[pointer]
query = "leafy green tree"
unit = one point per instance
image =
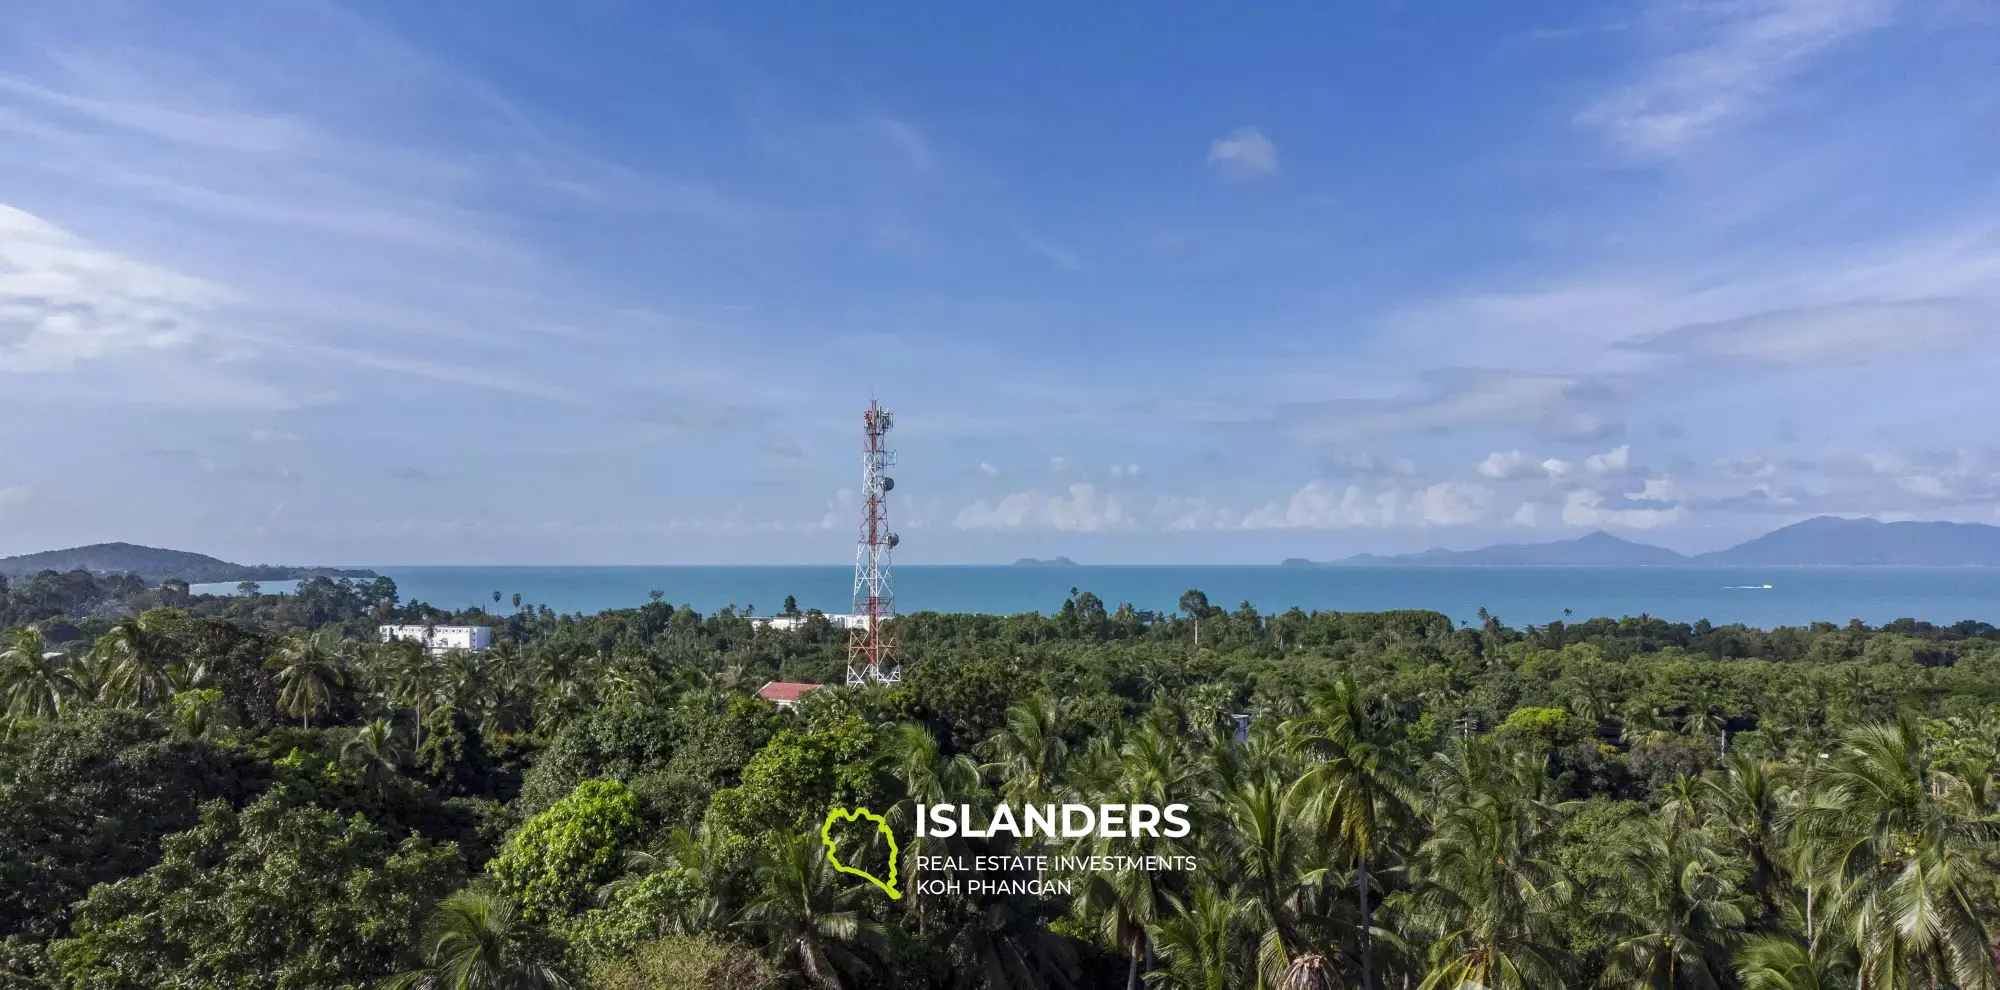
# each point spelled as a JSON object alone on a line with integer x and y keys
{"x": 673, "y": 962}
{"x": 89, "y": 802}
{"x": 249, "y": 900}
{"x": 558, "y": 858}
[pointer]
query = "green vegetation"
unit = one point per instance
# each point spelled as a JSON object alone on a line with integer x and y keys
{"x": 251, "y": 793}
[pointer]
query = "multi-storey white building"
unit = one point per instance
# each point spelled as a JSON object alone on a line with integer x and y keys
{"x": 442, "y": 639}
{"x": 836, "y": 620}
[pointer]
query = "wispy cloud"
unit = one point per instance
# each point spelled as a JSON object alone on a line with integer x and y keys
{"x": 63, "y": 302}
{"x": 1721, "y": 61}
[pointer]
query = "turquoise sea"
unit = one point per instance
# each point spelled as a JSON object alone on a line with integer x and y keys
{"x": 1518, "y": 595}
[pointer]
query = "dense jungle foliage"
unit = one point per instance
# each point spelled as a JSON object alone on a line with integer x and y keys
{"x": 251, "y": 792}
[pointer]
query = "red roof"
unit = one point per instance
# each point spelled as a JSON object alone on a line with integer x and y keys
{"x": 782, "y": 692}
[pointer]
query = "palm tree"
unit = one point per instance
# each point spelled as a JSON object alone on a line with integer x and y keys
{"x": 1029, "y": 751}
{"x": 310, "y": 666}
{"x": 37, "y": 681}
{"x": 804, "y": 916}
{"x": 1893, "y": 860}
{"x": 1482, "y": 887}
{"x": 1201, "y": 942}
{"x": 1278, "y": 872}
{"x": 141, "y": 657}
{"x": 1750, "y": 805}
{"x": 1681, "y": 912}
{"x": 472, "y": 944}
{"x": 409, "y": 676}
{"x": 1353, "y": 797}
{"x": 1776, "y": 962}
{"x": 375, "y": 749}
{"x": 1152, "y": 767}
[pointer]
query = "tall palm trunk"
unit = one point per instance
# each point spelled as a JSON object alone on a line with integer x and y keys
{"x": 1367, "y": 928}
{"x": 1132, "y": 973}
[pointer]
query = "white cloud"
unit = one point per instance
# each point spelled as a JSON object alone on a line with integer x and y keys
{"x": 1844, "y": 333}
{"x": 1124, "y": 470}
{"x": 1058, "y": 464}
{"x": 1585, "y": 507}
{"x": 988, "y": 470}
{"x": 1657, "y": 490}
{"x": 1556, "y": 468}
{"x": 1083, "y": 510}
{"x": 1525, "y": 515}
{"x": 1728, "y": 58}
{"x": 63, "y": 302}
{"x": 1613, "y": 461}
{"x": 1246, "y": 154}
{"x": 1505, "y": 464}
{"x": 1324, "y": 505}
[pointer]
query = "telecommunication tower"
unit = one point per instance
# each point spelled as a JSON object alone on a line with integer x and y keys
{"x": 871, "y": 653}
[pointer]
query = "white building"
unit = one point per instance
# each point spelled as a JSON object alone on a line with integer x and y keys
{"x": 836, "y": 620}
{"x": 441, "y": 639}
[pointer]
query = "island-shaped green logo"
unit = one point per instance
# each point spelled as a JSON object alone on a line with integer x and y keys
{"x": 833, "y": 855}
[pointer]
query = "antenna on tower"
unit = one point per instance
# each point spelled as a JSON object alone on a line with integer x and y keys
{"x": 871, "y": 654}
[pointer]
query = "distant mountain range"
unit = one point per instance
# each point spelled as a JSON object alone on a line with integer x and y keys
{"x": 1820, "y": 541}
{"x": 155, "y": 564}
{"x": 1055, "y": 562}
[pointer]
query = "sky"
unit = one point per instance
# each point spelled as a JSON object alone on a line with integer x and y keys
{"x": 611, "y": 282}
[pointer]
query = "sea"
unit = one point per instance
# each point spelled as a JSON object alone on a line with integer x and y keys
{"x": 1519, "y": 596}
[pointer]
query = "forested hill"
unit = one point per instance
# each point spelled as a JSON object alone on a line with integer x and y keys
{"x": 155, "y": 564}
{"x": 250, "y": 791}
{"x": 1820, "y": 541}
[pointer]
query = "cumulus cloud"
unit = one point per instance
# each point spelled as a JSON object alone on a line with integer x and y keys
{"x": 1326, "y": 505}
{"x": 1585, "y": 507}
{"x": 1058, "y": 464}
{"x": 1525, "y": 515}
{"x": 1617, "y": 460}
{"x": 63, "y": 302}
{"x": 988, "y": 470}
{"x": 1656, "y": 490}
{"x": 1082, "y": 510}
{"x": 1503, "y": 464}
{"x": 1246, "y": 154}
{"x": 1124, "y": 470}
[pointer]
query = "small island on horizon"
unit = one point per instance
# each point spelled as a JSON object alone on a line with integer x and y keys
{"x": 1051, "y": 562}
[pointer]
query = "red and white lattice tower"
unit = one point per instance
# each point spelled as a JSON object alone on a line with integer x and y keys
{"x": 871, "y": 653}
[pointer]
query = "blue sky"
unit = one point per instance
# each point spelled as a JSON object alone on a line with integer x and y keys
{"x": 610, "y": 282}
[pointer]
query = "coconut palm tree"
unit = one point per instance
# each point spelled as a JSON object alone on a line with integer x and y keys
{"x": 376, "y": 749}
{"x": 1028, "y": 753}
{"x": 805, "y": 916}
{"x": 1681, "y": 912}
{"x": 38, "y": 682}
{"x": 141, "y": 657}
{"x": 309, "y": 666}
{"x": 1353, "y": 796}
{"x": 1482, "y": 886}
{"x": 1893, "y": 859}
{"x": 473, "y": 944}
{"x": 1777, "y": 962}
{"x": 1201, "y": 942}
